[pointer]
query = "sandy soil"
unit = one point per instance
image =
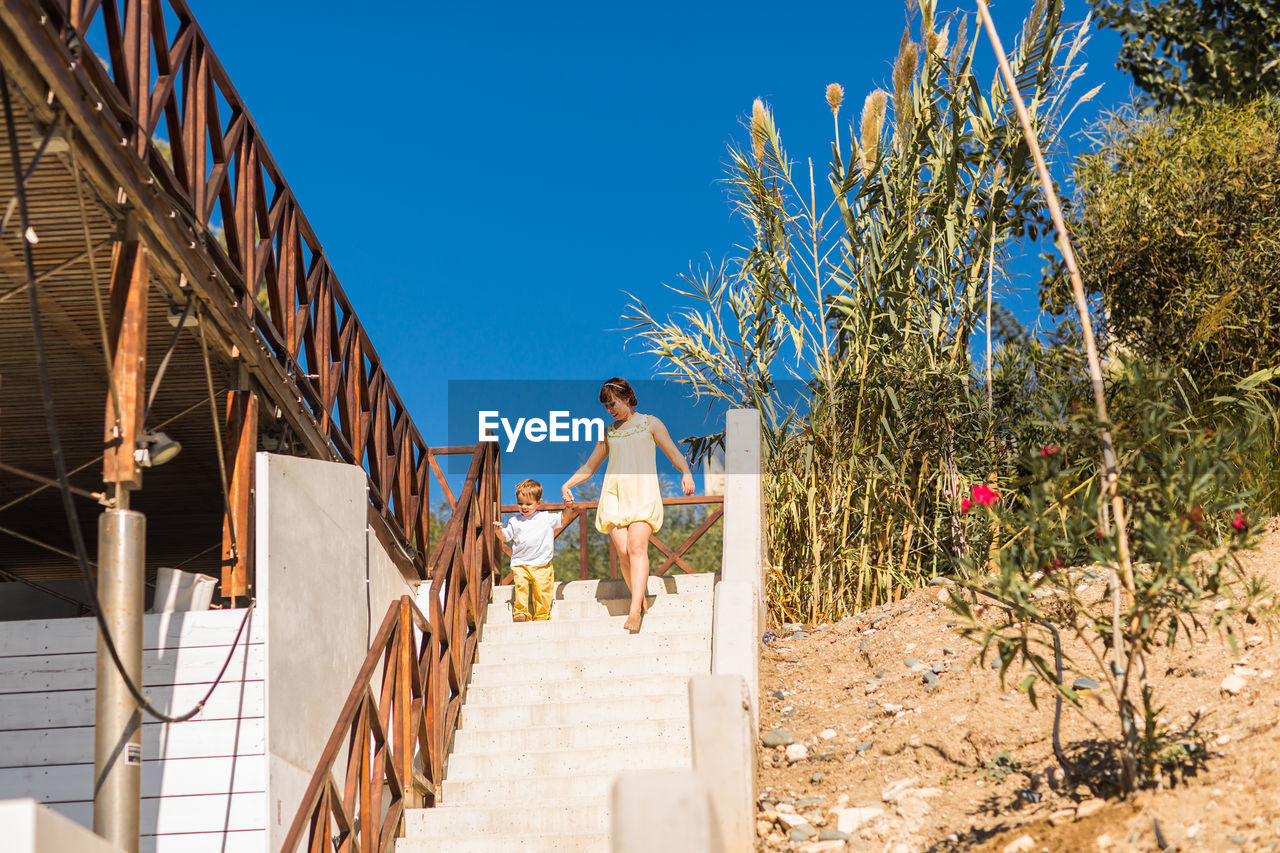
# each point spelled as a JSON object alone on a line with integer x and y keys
{"x": 882, "y": 761}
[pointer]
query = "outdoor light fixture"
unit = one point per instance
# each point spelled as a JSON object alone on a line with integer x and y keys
{"x": 155, "y": 448}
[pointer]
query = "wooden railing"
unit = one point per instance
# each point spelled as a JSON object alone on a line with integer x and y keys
{"x": 161, "y": 115}
{"x": 391, "y": 742}
{"x": 674, "y": 557}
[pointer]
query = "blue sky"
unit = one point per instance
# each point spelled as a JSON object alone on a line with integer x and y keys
{"x": 490, "y": 179}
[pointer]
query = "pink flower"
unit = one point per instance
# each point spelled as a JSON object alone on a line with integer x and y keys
{"x": 965, "y": 506}
{"x": 985, "y": 495}
{"x": 1049, "y": 450}
{"x": 1239, "y": 522}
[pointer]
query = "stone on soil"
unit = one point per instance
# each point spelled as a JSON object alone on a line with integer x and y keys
{"x": 1020, "y": 845}
{"x": 777, "y": 737}
{"x": 1089, "y": 807}
{"x": 802, "y": 833}
{"x": 1233, "y": 684}
{"x": 797, "y": 752}
{"x": 851, "y": 820}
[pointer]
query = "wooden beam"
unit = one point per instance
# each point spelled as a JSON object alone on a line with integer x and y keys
{"x": 237, "y": 528}
{"x": 127, "y": 336}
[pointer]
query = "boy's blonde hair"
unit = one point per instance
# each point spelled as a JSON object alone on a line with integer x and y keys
{"x": 529, "y": 489}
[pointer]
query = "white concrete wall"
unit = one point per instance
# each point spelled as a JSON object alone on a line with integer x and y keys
{"x": 203, "y": 781}
{"x": 324, "y": 584}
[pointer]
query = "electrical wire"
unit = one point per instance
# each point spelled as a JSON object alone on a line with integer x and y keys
{"x": 164, "y": 362}
{"x": 97, "y": 298}
{"x": 217, "y": 436}
{"x": 55, "y": 443}
{"x": 95, "y": 460}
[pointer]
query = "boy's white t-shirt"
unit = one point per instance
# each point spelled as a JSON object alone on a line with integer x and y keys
{"x": 533, "y": 539}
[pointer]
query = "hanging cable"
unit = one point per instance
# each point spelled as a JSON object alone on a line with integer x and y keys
{"x": 13, "y": 200}
{"x": 94, "y": 461}
{"x": 164, "y": 362}
{"x": 97, "y": 299}
{"x": 45, "y": 545}
{"x": 55, "y": 444}
{"x": 81, "y": 607}
{"x": 217, "y": 437}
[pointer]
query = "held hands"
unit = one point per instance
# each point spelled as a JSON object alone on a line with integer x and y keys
{"x": 566, "y": 496}
{"x": 686, "y": 483}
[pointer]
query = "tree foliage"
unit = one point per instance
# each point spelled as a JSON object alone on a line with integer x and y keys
{"x": 1195, "y": 52}
{"x": 1177, "y": 216}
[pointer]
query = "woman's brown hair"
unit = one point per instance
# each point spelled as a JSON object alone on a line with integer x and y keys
{"x": 618, "y": 388}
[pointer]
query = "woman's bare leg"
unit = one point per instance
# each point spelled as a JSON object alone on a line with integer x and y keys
{"x": 618, "y": 537}
{"x": 638, "y": 534}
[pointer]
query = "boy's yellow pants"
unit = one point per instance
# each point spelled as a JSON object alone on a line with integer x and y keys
{"x": 542, "y": 580}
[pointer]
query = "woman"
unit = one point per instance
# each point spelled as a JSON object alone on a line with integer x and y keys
{"x": 630, "y": 508}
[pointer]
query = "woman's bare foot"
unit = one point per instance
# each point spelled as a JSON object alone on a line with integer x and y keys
{"x": 632, "y": 625}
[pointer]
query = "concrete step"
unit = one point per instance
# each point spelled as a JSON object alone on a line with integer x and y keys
{"x": 589, "y": 608}
{"x": 575, "y": 690}
{"x": 615, "y": 588}
{"x": 593, "y": 735}
{"x": 547, "y": 649}
{"x": 686, "y": 663}
{"x": 604, "y": 667}
{"x": 577, "y": 786}
{"x": 600, "y": 760}
{"x": 511, "y": 819}
{"x": 552, "y": 842}
{"x": 503, "y": 630}
{"x": 523, "y": 715}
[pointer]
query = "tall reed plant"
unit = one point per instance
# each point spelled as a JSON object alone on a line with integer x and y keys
{"x": 867, "y": 299}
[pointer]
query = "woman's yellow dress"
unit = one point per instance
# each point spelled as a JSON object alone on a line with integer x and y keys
{"x": 630, "y": 492}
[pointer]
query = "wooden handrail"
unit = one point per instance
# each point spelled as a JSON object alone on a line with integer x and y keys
{"x": 396, "y": 739}
{"x": 674, "y": 558}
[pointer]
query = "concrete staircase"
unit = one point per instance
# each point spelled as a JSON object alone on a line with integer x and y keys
{"x": 556, "y": 710}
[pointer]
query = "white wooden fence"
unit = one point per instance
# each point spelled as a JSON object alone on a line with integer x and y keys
{"x": 203, "y": 781}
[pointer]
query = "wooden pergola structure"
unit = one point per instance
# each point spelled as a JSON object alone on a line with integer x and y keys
{"x": 165, "y": 239}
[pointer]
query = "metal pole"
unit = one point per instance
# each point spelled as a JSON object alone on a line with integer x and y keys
{"x": 117, "y": 758}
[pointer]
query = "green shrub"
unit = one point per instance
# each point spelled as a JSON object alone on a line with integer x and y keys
{"x": 1190, "y": 514}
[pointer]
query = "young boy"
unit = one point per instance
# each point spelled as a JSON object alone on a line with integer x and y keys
{"x": 532, "y": 536}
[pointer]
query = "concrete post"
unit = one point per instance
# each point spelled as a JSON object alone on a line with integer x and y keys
{"x": 734, "y": 643}
{"x": 722, "y": 735}
{"x": 117, "y": 751}
{"x": 743, "y": 501}
{"x": 667, "y": 810}
{"x": 738, "y": 618}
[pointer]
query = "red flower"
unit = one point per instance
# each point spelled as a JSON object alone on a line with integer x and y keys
{"x": 965, "y": 506}
{"x": 1239, "y": 522}
{"x": 1049, "y": 450}
{"x": 985, "y": 495}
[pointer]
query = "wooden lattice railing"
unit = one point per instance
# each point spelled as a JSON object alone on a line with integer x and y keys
{"x": 391, "y": 742}
{"x": 142, "y": 73}
{"x": 674, "y": 557}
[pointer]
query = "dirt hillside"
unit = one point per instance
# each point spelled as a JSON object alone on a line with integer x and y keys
{"x": 900, "y": 741}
